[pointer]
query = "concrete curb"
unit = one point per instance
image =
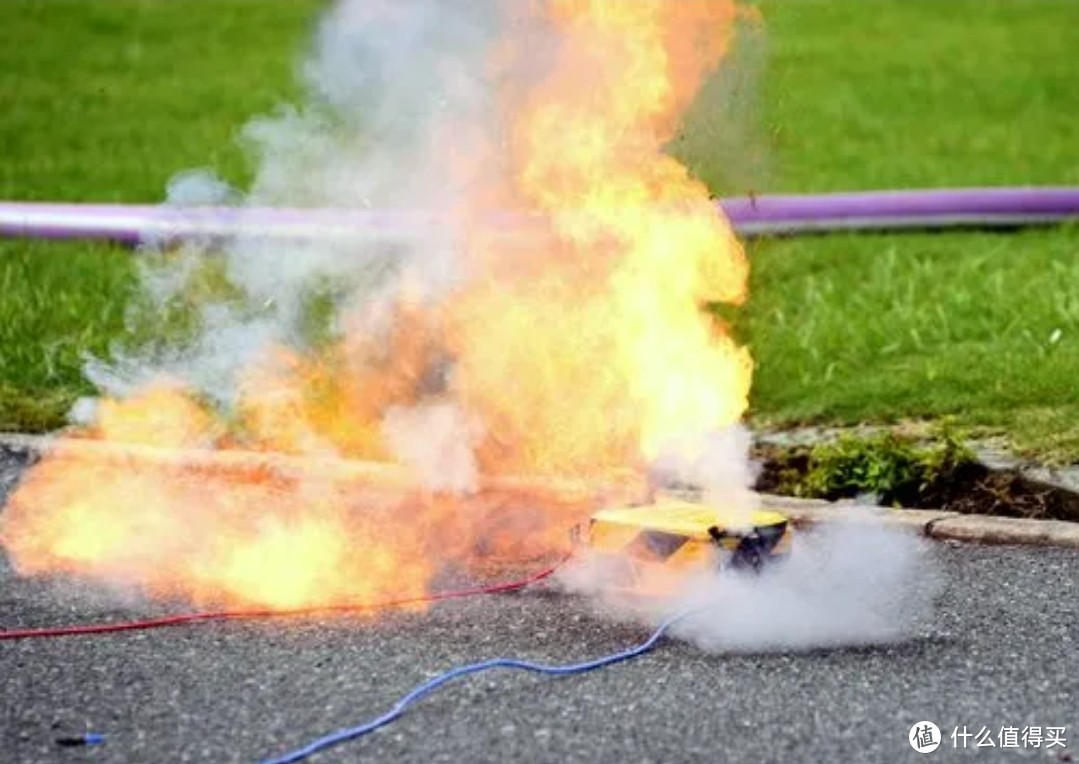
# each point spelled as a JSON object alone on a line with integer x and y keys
{"x": 17, "y": 441}
{"x": 937, "y": 524}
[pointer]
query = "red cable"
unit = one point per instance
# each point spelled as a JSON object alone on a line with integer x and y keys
{"x": 235, "y": 615}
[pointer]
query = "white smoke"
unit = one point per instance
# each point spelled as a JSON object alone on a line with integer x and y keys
{"x": 715, "y": 465}
{"x": 436, "y": 441}
{"x": 846, "y": 584}
{"x": 200, "y": 187}
{"x": 399, "y": 117}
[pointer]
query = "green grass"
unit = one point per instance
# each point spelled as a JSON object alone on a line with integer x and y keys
{"x": 845, "y": 95}
{"x": 106, "y": 100}
{"x": 58, "y": 302}
{"x": 984, "y": 326}
{"x": 908, "y": 93}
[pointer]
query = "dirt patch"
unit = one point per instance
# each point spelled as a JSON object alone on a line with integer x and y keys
{"x": 968, "y": 487}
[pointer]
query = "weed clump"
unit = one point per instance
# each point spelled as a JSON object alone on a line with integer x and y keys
{"x": 892, "y": 469}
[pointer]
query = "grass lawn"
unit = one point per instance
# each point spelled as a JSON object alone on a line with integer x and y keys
{"x": 106, "y": 100}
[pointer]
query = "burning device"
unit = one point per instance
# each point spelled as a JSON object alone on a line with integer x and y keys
{"x": 649, "y": 548}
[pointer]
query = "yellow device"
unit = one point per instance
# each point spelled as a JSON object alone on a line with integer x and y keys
{"x": 654, "y": 545}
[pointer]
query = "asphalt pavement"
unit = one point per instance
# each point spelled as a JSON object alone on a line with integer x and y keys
{"x": 999, "y": 648}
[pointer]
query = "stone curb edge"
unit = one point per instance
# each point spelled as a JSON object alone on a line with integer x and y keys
{"x": 937, "y": 524}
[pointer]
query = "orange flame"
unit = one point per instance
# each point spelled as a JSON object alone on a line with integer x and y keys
{"x": 581, "y": 351}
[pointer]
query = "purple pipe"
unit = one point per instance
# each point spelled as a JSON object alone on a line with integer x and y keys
{"x": 136, "y": 224}
{"x": 750, "y": 216}
{"x": 883, "y": 210}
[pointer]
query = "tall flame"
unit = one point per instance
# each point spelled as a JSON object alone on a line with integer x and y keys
{"x": 604, "y": 355}
{"x": 578, "y": 350}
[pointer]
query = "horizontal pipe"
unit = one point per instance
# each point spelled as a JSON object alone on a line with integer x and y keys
{"x": 885, "y": 210}
{"x": 137, "y": 224}
{"x": 750, "y": 216}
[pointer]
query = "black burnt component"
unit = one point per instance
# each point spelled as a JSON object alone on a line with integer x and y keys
{"x": 754, "y": 548}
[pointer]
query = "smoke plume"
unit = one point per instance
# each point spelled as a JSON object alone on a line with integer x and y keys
{"x": 849, "y": 584}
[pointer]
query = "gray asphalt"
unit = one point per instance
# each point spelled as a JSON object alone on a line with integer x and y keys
{"x": 1001, "y": 648}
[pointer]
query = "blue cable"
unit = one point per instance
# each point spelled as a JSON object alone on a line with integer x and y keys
{"x": 398, "y": 710}
{"x": 87, "y": 738}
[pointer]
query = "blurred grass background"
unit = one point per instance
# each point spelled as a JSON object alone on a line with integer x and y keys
{"x": 105, "y": 101}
